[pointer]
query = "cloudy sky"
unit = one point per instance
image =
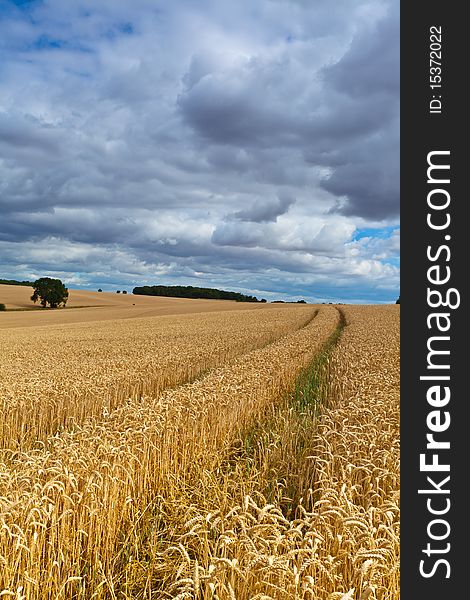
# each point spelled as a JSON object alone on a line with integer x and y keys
{"x": 250, "y": 145}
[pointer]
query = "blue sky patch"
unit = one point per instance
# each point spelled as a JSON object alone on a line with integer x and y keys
{"x": 382, "y": 233}
{"x": 45, "y": 42}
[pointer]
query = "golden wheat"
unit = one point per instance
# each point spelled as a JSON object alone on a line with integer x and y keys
{"x": 55, "y": 377}
{"x": 341, "y": 539}
{"x": 94, "y": 511}
{"x": 234, "y": 486}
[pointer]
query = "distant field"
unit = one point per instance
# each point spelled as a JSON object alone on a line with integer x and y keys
{"x": 97, "y": 306}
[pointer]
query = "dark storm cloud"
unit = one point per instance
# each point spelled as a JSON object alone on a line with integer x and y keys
{"x": 369, "y": 179}
{"x": 264, "y": 210}
{"x": 371, "y": 66}
{"x": 247, "y": 104}
{"x": 351, "y": 125}
{"x": 367, "y": 171}
{"x": 19, "y": 133}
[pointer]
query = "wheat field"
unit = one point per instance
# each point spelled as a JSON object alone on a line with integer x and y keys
{"x": 244, "y": 454}
{"x": 53, "y": 377}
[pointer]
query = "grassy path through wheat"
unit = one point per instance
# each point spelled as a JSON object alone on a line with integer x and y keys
{"x": 311, "y": 509}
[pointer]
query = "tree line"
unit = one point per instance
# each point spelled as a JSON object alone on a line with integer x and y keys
{"x": 14, "y": 282}
{"x": 188, "y": 291}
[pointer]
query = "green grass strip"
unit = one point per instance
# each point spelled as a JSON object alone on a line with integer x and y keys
{"x": 312, "y": 386}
